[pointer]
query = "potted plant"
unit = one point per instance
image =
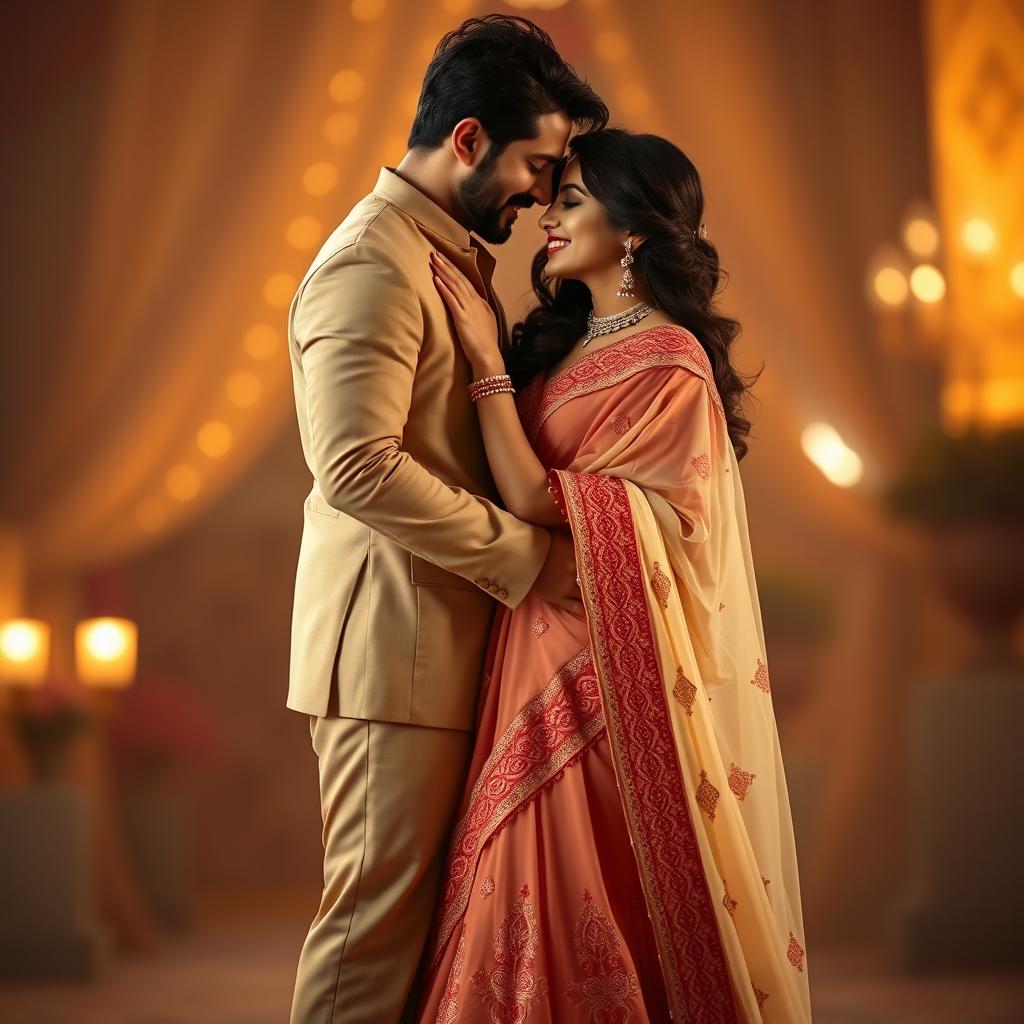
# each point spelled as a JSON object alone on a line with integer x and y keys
{"x": 966, "y": 492}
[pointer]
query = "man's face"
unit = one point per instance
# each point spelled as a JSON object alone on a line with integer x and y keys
{"x": 494, "y": 191}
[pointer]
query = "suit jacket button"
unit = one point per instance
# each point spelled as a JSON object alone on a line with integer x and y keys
{"x": 503, "y": 593}
{"x": 493, "y": 588}
{"x": 483, "y": 581}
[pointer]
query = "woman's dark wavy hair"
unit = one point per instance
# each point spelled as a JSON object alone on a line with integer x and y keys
{"x": 649, "y": 187}
{"x": 505, "y": 71}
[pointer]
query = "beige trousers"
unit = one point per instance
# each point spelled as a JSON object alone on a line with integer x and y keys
{"x": 388, "y": 796}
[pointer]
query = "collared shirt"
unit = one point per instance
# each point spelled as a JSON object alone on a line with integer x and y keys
{"x": 476, "y": 261}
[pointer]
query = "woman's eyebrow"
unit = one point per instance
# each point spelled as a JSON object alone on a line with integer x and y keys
{"x": 571, "y": 185}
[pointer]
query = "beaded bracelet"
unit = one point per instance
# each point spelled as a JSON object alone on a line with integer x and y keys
{"x": 477, "y": 386}
{"x": 494, "y": 390}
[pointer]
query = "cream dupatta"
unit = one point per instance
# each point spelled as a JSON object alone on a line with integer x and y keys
{"x": 660, "y": 531}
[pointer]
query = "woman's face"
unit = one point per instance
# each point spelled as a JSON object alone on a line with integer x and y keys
{"x": 582, "y": 242}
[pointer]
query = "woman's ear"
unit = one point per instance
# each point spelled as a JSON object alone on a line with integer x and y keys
{"x": 638, "y": 240}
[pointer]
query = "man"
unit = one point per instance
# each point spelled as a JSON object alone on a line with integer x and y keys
{"x": 405, "y": 547}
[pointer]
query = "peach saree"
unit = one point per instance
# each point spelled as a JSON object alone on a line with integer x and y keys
{"x": 624, "y": 850}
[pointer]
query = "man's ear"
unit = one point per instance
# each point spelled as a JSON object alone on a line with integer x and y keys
{"x": 468, "y": 141}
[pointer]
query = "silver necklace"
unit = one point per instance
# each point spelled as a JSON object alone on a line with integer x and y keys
{"x": 598, "y": 325}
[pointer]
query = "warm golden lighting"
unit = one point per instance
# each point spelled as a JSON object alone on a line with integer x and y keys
{"x": 24, "y": 651}
{"x": 891, "y": 286}
{"x": 927, "y": 283}
{"x": 278, "y": 290}
{"x": 457, "y": 7}
{"x": 368, "y": 10}
{"x": 341, "y": 128}
{"x": 346, "y": 86}
{"x": 214, "y": 439}
{"x": 825, "y": 448}
{"x": 261, "y": 342}
{"x": 921, "y": 237}
{"x": 320, "y": 178}
{"x": 106, "y": 651}
{"x": 612, "y": 47}
{"x": 304, "y": 232}
{"x": 182, "y": 482}
{"x": 1017, "y": 278}
{"x": 244, "y": 389}
{"x": 150, "y": 515}
{"x": 979, "y": 236}
{"x": 536, "y": 5}
{"x": 410, "y": 101}
{"x": 634, "y": 99}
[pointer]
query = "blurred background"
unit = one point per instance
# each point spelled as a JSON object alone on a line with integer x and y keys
{"x": 170, "y": 168}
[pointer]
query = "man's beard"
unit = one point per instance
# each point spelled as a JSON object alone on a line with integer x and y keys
{"x": 481, "y": 199}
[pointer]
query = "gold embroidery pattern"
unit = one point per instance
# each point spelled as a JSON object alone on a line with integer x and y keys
{"x": 487, "y": 887}
{"x": 620, "y": 423}
{"x": 759, "y": 996}
{"x": 661, "y": 585}
{"x": 539, "y": 627}
{"x": 795, "y": 952}
{"x": 702, "y": 463}
{"x": 606, "y": 988}
{"x": 721, "y": 606}
{"x": 512, "y": 986}
{"x": 448, "y": 1008}
{"x": 665, "y": 345}
{"x": 760, "y": 679}
{"x": 684, "y": 691}
{"x": 727, "y": 901}
{"x": 680, "y": 907}
{"x": 764, "y": 882}
{"x": 552, "y": 728}
{"x": 739, "y": 780}
{"x": 707, "y": 795}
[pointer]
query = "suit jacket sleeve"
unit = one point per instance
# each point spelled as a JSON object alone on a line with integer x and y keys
{"x": 359, "y": 328}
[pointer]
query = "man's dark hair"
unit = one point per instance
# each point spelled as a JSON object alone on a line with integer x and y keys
{"x": 504, "y": 71}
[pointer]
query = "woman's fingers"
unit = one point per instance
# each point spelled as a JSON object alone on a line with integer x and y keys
{"x": 456, "y": 279}
{"x": 447, "y": 294}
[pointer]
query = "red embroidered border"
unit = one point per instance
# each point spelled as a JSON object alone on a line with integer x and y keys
{"x": 550, "y": 730}
{"x": 650, "y": 780}
{"x": 664, "y": 345}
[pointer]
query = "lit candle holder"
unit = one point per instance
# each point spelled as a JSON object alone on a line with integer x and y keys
{"x": 106, "y": 651}
{"x": 24, "y": 652}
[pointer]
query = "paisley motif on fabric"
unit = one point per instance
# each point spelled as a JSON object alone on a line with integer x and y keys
{"x": 760, "y": 679}
{"x": 661, "y": 585}
{"x": 702, "y": 463}
{"x": 606, "y": 988}
{"x": 740, "y": 780}
{"x": 684, "y": 691}
{"x": 512, "y": 985}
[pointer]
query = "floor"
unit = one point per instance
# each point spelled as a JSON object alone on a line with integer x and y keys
{"x": 241, "y": 973}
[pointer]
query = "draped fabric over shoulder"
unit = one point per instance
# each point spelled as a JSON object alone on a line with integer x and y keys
{"x": 624, "y": 850}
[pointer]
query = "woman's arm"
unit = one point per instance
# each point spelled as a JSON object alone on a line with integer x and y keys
{"x": 519, "y": 474}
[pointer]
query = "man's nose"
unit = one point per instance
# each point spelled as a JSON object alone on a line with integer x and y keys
{"x": 541, "y": 190}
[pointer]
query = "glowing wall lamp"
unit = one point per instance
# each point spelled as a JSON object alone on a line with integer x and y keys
{"x": 827, "y": 450}
{"x": 106, "y": 652}
{"x": 24, "y": 652}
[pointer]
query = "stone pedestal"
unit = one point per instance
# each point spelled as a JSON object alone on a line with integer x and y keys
{"x": 964, "y": 902}
{"x": 49, "y": 929}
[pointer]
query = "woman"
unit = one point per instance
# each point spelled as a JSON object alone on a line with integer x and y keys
{"x": 624, "y": 850}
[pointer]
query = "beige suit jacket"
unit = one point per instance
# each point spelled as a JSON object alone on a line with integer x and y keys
{"x": 405, "y": 547}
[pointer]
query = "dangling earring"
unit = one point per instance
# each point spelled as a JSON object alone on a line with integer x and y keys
{"x": 626, "y": 286}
